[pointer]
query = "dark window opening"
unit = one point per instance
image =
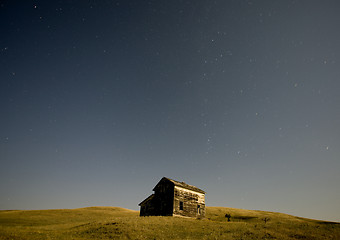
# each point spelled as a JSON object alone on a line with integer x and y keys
{"x": 180, "y": 205}
{"x": 198, "y": 209}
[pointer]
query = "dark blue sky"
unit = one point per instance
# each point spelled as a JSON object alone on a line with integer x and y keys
{"x": 100, "y": 99}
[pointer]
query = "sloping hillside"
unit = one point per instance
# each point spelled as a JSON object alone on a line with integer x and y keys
{"x": 119, "y": 223}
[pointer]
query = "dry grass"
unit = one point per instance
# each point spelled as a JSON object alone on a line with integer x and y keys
{"x": 118, "y": 223}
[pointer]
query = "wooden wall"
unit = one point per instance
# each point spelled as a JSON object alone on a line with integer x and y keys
{"x": 193, "y": 203}
{"x": 162, "y": 202}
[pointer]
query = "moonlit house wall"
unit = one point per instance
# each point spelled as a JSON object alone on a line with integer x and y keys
{"x": 173, "y": 198}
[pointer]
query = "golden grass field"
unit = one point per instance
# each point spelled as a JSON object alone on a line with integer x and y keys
{"x": 119, "y": 223}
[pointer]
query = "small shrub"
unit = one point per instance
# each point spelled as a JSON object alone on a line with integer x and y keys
{"x": 265, "y": 220}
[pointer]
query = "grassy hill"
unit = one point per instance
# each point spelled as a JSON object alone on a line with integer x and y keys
{"x": 119, "y": 223}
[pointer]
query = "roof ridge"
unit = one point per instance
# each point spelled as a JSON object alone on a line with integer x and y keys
{"x": 185, "y": 185}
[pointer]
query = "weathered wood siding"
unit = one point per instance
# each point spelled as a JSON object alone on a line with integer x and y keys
{"x": 149, "y": 208}
{"x": 162, "y": 202}
{"x": 164, "y": 192}
{"x": 193, "y": 203}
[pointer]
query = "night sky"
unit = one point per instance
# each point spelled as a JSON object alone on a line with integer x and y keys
{"x": 101, "y": 99}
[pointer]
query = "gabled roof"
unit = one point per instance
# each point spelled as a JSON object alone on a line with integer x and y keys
{"x": 181, "y": 184}
{"x": 147, "y": 199}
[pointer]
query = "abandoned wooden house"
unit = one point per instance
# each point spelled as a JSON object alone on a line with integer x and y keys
{"x": 173, "y": 198}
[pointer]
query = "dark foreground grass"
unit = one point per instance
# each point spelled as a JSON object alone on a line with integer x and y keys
{"x": 118, "y": 223}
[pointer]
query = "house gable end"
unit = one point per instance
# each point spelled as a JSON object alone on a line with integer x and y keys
{"x": 179, "y": 184}
{"x": 163, "y": 184}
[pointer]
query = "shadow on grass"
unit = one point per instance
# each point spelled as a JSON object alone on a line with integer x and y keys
{"x": 328, "y": 223}
{"x": 245, "y": 218}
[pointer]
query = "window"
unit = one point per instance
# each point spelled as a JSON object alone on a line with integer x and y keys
{"x": 180, "y": 205}
{"x": 198, "y": 209}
